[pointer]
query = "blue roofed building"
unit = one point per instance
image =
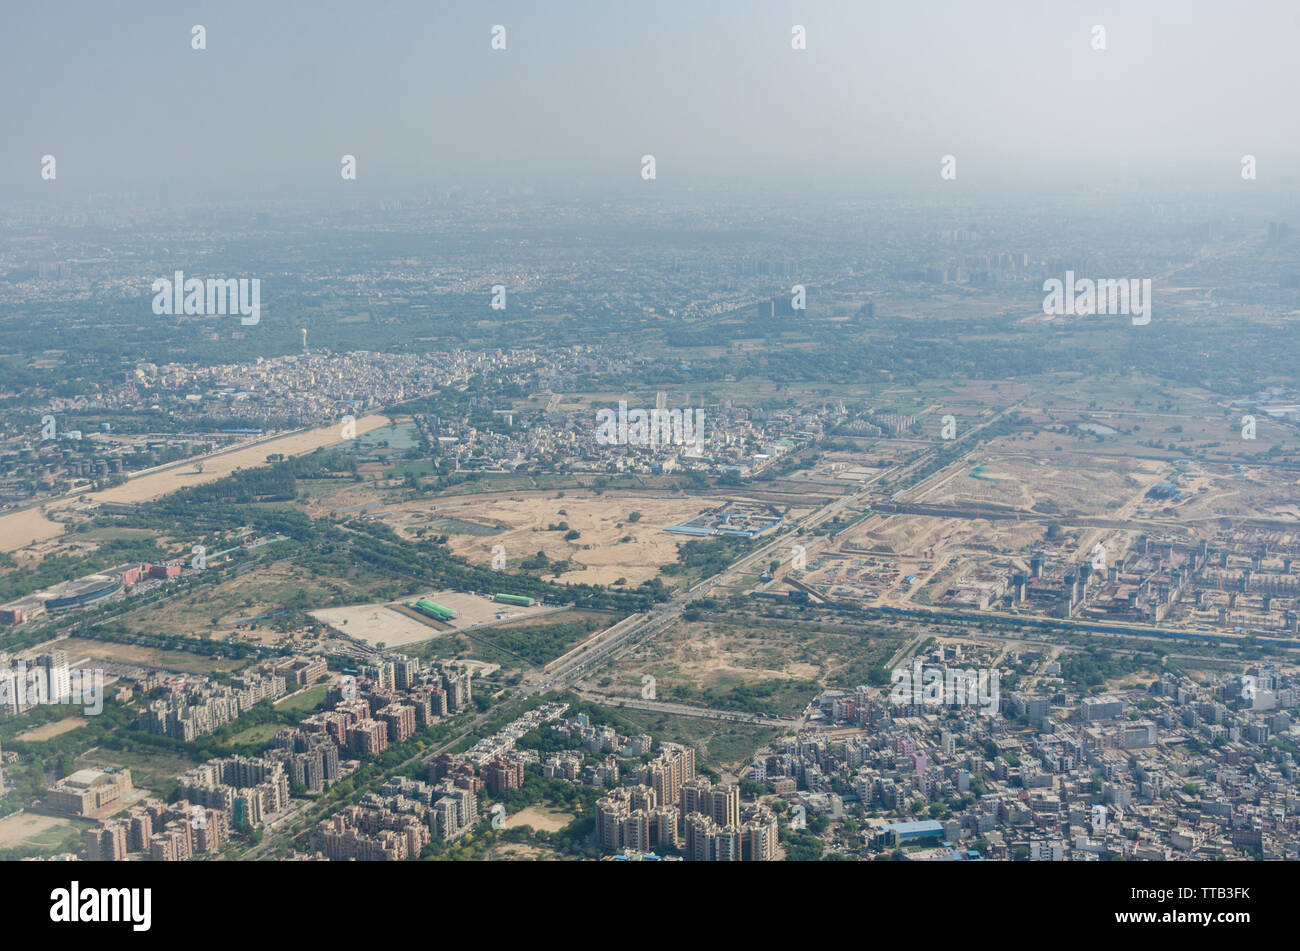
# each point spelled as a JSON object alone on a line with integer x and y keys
{"x": 908, "y": 833}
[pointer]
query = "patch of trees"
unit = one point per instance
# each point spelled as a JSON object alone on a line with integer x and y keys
{"x": 431, "y": 561}
{"x": 54, "y": 569}
{"x": 542, "y": 643}
{"x": 708, "y": 556}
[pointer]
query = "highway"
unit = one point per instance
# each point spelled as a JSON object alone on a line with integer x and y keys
{"x": 622, "y": 636}
{"x": 631, "y": 630}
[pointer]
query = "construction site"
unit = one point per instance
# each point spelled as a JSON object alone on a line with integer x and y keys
{"x": 1106, "y": 542}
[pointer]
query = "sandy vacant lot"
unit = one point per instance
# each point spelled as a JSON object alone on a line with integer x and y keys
{"x": 521, "y": 852}
{"x": 540, "y": 818}
{"x": 47, "y": 731}
{"x": 18, "y": 529}
{"x": 1048, "y": 485}
{"x": 158, "y": 484}
{"x": 376, "y": 623}
{"x": 928, "y": 537}
{"x": 22, "y": 828}
{"x": 1257, "y": 493}
{"x": 600, "y": 555}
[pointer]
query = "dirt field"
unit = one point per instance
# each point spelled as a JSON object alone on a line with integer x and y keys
{"x": 928, "y": 537}
{"x": 519, "y": 520}
{"x": 1076, "y": 485}
{"x": 48, "y": 731}
{"x": 158, "y": 484}
{"x": 380, "y": 623}
{"x": 521, "y": 852}
{"x": 540, "y": 818}
{"x": 770, "y": 665}
{"x": 80, "y": 649}
{"x": 376, "y": 623}
{"x": 600, "y": 555}
{"x": 19, "y": 529}
{"x": 1258, "y": 493}
{"x": 30, "y": 829}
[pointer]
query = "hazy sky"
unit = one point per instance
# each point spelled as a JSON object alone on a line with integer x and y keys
{"x": 712, "y": 88}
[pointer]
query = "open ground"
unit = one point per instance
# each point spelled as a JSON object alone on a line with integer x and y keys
{"x": 19, "y": 529}
{"x": 382, "y": 623}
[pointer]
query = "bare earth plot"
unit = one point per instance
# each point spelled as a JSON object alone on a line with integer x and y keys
{"x": 47, "y": 731}
{"x": 1073, "y": 485}
{"x": 521, "y": 852}
{"x": 30, "y": 829}
{"x": 927, "y": 536}
{"x": 600, "y": 555}
{"x": 80, "y": 649}
{"x": 770, "y": 665}
{"x": 1251, "y": 493}
{"x": 19, "y": 529}
{"x": 158, "y": 484}
{"x": 540, "y": 818}
{"x": 376, "y": 624}
{"x": 380, "y": 623}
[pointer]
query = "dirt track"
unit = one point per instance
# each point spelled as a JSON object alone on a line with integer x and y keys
{"x": 19, "y": 529}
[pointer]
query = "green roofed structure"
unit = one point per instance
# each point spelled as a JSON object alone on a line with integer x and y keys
{"x": 517, "y": 599}
{"x": 432, "y": 609}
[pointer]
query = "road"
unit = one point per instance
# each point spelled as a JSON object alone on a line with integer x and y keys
{"x": 630, "y": 631}
{"x": 636, "y": 628}
{"x": 270, "y": 843}
{"x": 677, "y": 709}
